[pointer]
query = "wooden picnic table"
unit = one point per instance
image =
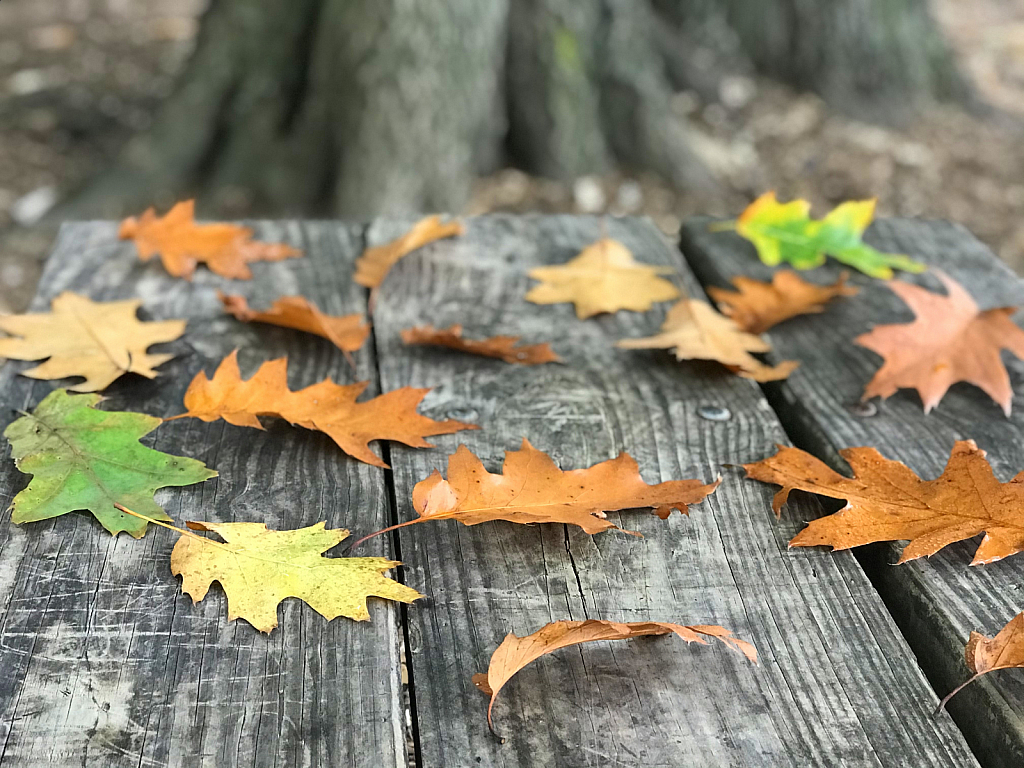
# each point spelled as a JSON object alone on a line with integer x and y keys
{"x": 103, "y": 662}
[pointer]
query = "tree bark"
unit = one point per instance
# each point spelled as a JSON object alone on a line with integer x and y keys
{"x": 357, "y": 107}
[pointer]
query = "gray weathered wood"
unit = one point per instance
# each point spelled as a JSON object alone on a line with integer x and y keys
{"x": 836, "y": 685}
{"x": 937, "y": 601}
{"x": 104, "y": 663}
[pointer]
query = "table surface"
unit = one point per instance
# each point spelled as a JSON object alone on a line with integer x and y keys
{"x": 106, "y": 664}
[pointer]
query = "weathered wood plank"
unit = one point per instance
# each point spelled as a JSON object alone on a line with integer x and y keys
{"x": 104, "y": 662}
{"x": 937, "y": 602}
{"x": 837, "y": 684}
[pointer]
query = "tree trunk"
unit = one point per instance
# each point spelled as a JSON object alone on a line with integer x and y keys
{"x": 357, "y": 107}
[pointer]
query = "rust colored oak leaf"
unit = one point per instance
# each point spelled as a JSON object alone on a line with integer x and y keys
{"x": 987, "y": 654}
{"x": 514, "y": 653}
{"x": 697, "y": 332}
{"x": 757, "y": 306}
{"x": 227, "y": 249}
{"x": 604, "y": 277}
{"x": 949, "y": 341}
{"x": 886, "y": 501}
{"x": 501, "y": 347}
{"x": 375, "y": 263}
{"x": 532, "y": 489}
{"x": 347, "y": 332}
{"x": 98, "y": 341}
{"x": 325, "y": 407}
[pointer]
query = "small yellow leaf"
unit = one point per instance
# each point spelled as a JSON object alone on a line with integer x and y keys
{"x": 258, "y": 568}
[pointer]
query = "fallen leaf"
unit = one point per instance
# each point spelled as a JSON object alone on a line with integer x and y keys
{"x": 886, "y": 501}
{"x": 347, "y": 332}
{"x": 785, "y": 232}
{"x": 325, "y": 407}
{"x": 375, "y": 263}
{"x": 604, "y": 277}
{"x": 98, "y": 341}
{"x": 697, "y": 332}
{"x": 949, "y": 341}
{"x": 258, "y": 568}
{"x": 81, "y": 458}
{"x": 514, "y": 653}
{"x": 757, "y": 306}
{"x": 532, "y": 489}
{"x": 501, "y": 347}
{"x": 987, "y": 654}
{"x": 226, "y": 249}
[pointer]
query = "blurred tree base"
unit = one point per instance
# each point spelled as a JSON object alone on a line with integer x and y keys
{"x": 360, "y": 107}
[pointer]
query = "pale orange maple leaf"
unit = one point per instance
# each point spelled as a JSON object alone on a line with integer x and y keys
{"x": 949, "y": 341}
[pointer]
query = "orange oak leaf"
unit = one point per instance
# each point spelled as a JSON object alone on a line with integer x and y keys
{"x": 532, "y": 489}
{"x": 604, "y": 277}
{"x": 226, "y": 249}
{"x": 346, "y": 332}
{"x": 697, "y": 332}
{"x": 987, "y": 654}
{"x": 501, "y": 347}
{"x": 949, "y": 341}
{"x": 325, "y": 407}
{"x": 886, "y": 501}
{"x": 514, "y": 653}
{"x": 757, "y": 306}
{"x": 375, "y": 263}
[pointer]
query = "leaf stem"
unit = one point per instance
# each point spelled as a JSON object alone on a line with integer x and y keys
{"x": 369, "y": 536}
{"x": 951, "y": 694}
{"x": 168, "y": 526}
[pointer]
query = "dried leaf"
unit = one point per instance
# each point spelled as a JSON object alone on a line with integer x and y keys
{"x": 98, "y": 341}
{"x": 258, "y": 568}
{"x": 347, "y": 332}
{"x": 325, "y": 406}
{"x": 375, "y": 263}
{"x": 886, "y": 501}
{"x": 757, "y": 306}
{"x": 501, "y": 347}
{"x": 697, "y": 332}
{"x": 532, "y": 489}
{"x": 514, "y": 653}
{"x": 604, "y": 277}
{"x": 984, "y": 654}
{"x": 949, "y": 341}
{"x": 786, "y": 232}
{"x": 226, "y": 249}
{"x": 81, "y": 458}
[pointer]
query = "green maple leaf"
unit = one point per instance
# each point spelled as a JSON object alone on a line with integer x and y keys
{"x": 785, "y": 232}
{"x": 81, "y": 458}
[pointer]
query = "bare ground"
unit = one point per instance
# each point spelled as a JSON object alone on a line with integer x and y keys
{"x": 78, "y": 76}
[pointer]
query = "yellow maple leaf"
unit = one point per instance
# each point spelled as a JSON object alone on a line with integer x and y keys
{"x": 259, "y": 567}
{"x": 98, "y": 341}
{"x": 604, "y": 277}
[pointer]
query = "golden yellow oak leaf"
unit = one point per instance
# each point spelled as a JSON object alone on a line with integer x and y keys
{"x": 375, "y": 263}
{"x": 695, "y": 331}
{"x": 604, "y": 277}
{"x": 98, "y": 341}
{"x": 259, "y": 567}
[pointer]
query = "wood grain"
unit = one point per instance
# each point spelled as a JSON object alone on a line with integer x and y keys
{"x": 104, "y": 662}
{"x": 939, "y": 601}
{"x": 837, "y": 684}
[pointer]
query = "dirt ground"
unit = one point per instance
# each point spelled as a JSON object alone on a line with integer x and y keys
{"x": 78, "y": 76}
